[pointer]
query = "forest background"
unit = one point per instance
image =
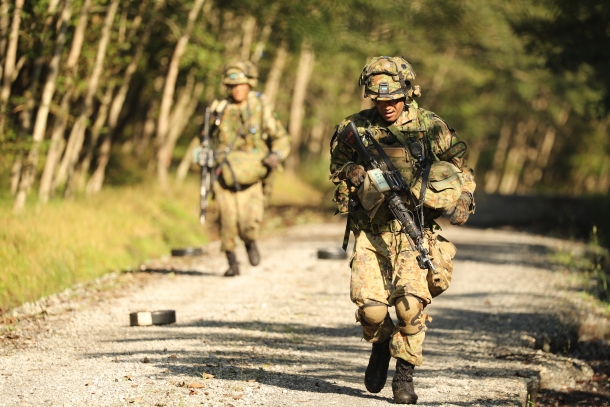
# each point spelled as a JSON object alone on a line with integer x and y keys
{"x": 101, "y": 101}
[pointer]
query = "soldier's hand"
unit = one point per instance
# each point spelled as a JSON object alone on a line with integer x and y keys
{"x": 271, "y": 161}
{"x": 462, "y": 210}
{"x": 355, "y": 173}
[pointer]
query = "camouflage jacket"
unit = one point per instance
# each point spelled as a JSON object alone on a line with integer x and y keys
{"x": 253, "y": 127}
{"x": 414, "y": 122}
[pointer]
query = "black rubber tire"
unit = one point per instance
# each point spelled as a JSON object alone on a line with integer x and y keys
{"x": 187, "y": 251}
{"x": 332, "y": 254}
{"x": 146, "y": 318}
{"x": 163, "y": 317}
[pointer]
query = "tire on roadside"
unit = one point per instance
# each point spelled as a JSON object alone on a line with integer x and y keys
{"x": 147, "y": 318}
{"x": 332, "y": 254}
{"x": 187, "y": 251}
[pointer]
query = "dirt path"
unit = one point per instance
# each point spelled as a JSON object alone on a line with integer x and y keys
{"x": 283, "y": 334}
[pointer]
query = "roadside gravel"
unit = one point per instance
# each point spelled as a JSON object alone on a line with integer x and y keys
{"x": 284, "y": 334}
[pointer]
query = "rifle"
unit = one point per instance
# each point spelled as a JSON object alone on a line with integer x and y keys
{"x": 206, "y": 161}
{"x": 392, "y": 183}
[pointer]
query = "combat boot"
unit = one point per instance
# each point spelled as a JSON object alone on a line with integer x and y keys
{"x": 402, "y": 383}
{"x": 233, "y": 265}
{"x": 253, "y": 254}
{"x": 377, "y": 371}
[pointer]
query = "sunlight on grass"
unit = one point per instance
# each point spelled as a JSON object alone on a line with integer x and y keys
{"x": 48, "y": 248}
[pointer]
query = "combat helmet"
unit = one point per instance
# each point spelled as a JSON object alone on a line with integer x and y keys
{"x": 240, "y": 72}
{"x": 388, "y": 78}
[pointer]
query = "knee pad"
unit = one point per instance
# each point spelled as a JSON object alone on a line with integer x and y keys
{"x": 410, "y": 313}
{"x": 372, "y": 315}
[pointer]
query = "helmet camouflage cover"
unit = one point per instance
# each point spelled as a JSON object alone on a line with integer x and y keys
{"x": 240, "y": 72}
{"x": 387, "y": 78}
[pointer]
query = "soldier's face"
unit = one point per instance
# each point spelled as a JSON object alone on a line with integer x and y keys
{"x": 239, "y": 92}
{"x": 390, "y": 110}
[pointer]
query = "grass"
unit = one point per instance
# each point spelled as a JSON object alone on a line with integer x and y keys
{"x": 50, "y": 247}
{"x": 590, "y": 269}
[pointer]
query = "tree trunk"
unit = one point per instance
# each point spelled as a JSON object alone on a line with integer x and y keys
{"x": 249, "y": 26}
{"x": 182, "y": 115}
{"x": 40, "y": 126}
{"x": 102, "y": 114}
{"x": 148, "y": 130}
{"x": 297, "y": 107}
{"x": 47, "y": 181}
{"x": 28, "y": 96}
{"x": 187, "y": 160}
{"x": 96, "y": 181}
{"x": 79, "y": 35}
{"x": 275, "y": 74}
{"x": 316, "y": 136}
{"x": 47, "y": 185}
{"x": 77, "y": 135}
{"x": 440, "y": 75}
{"x": 516, "y": 158}
{"x": 4, "y": 23}
{"x": 259, "y": 49}
{"x": 16, "y": 173}
{"x": 492, "y": 178}
{"x": 168, "y": 95}
{"x": 9, "y": 65}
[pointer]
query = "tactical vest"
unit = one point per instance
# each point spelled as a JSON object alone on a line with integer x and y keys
{"x": 395, "y": 141}
{"x": 245, "y": 124}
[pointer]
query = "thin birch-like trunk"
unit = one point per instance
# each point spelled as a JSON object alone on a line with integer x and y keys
{"x": 40, "y": 126}
{"x": 182, "y": 116}
{"x": 96, "y": 181}
{"x": 275, "y": 74}
{"x": 314, "y": 144}
{"x": 440, "y": 75}
{"x": 516, "y": 158}
{"x": 9, "y": 64}
{"x": 28, "y": 96}
{"x": 47, "y": 180}
{"x": 56, "y": 147}
{"x": 148, "y": 130}
{"x": 297, "y": 107}
{"x": 249, "y": 27}
{"x": 77, "y": 135}
{"x": 16, "y": 173}
{"x": 187, "y": 160}
{"x": 101, "y": 117}
{"x": 492, "y": 178}
{"x": 163, "y": 153}
{"x": 259, "y": 49}
{"x": 4, "y": 24}
{"x": 543, "y": 153}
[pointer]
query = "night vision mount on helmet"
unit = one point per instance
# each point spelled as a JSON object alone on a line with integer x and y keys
{"x": 388, "y": 78}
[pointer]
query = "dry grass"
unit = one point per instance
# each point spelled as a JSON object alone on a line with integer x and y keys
{"x": 48, "y": 248}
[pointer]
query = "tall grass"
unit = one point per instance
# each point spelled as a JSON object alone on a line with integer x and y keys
{"x": 48, "y": 248}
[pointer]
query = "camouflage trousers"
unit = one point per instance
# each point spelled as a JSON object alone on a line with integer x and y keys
{"x": 384, "y": 268}
{"x": 240, "y": 214}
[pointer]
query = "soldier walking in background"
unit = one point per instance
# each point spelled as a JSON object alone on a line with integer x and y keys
{"x": 249, "y": 143}
{"x": 386, "y": 270}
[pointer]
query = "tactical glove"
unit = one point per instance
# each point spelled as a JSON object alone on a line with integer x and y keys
{"x": 355, "y": 174}
{"x": 272, "y": 160}
{"x": 462, "y": 210}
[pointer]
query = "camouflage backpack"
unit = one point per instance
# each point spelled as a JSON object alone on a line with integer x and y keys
{"x": 443, "y": 188}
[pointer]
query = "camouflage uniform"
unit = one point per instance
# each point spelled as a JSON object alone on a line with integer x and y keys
{"x": 384, "y": 266}
{"x": 253, "y": 128}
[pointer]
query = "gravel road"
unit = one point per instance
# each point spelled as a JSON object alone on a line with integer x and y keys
{"x": 284, "y": 334}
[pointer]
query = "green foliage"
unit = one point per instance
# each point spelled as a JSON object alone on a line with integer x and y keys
{"x": 49, "y": 248}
